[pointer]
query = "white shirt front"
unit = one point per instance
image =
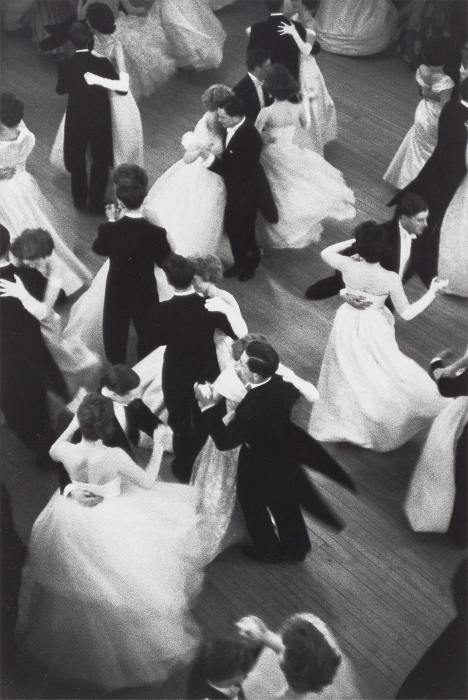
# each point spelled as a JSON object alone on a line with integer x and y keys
{"x": 405, "y": 250}
{"x": 231, "y": 130}
{"x": 259, "y": 88}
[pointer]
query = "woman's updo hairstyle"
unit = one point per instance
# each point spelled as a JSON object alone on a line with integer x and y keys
{"x": 214, "y": 95}
{"x": 372, "y": 242}
{"x": 280, "y": 83}
{"x": 96, "y": 417}
{"x": 11, "y": 109}
{"x": 130, "y": 171}
{"x": 33, "y": 244}
{"x": 309, "y": 662}
{"x": 101, "y": 18}
{"x": 209, "y": 268}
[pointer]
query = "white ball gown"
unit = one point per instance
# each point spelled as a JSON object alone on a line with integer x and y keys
{"x": 371, "y": 394}
{"x": 420, "y": 141}
{"x": 356, "y": 27}
{"x": 127, "y": 131}
{"x": 108, "y": 589}
{"x": 305, "y": 187}
{"x": 22, "y": 206}
{"x": 188, "y": 200}
{"x": 453, "y": 247}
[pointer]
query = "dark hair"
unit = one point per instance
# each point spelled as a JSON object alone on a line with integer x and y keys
{"x": 437, "y": 51}
{"x": 464, "y": 90}
{"x": 233, "y": 106}
{"x": 32, "y": 243}
{"x": 130, "y": 193}
{"x": 257, "y": 57}
{"x": 263, "y": 359}
{"x": 4, "y": 240}
{"x": 101, "y": 17}
{"x": 121, "y": 379}
{"x": 209, "y": 268}
{"x": 274, "y": 5}
{"x": 179, "y": 271}
{"x": 280, "y": 83}
{"x": 240, "y": 344}
{"x": 223, "y": 659}
{"x": 410, "y": 204}
{"x": 11, "y": 109}
{"x": 309, "y": 662}
{"x": 372, "y": 242}
{"x": 129, "y": 171}
{"x": 79, "y": 35}
{"x": 96, "y": 417}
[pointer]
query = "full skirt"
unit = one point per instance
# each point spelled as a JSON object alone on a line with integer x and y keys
{"x": 319, "y": 107}
{"x": 356, "y": 27}
{"x": 453, "y": 247}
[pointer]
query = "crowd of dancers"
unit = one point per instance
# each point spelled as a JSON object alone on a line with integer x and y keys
{"x": 116, "y": 558}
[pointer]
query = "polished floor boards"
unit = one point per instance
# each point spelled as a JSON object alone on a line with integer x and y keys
{"x": 384, "y": 590}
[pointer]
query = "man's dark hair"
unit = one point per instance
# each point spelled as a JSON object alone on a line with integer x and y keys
{"x": 130, "y": 193}
{"x": 274, "y": 5}
{"x": 410, "y": 204}
{"x": 263, "y": 359}
{"x": 4, "y": 240}
{"x": 223, "y": 659}
{"x": 32, "y": 244}
{"x": 280, "y": 83}
{"x": 309, "y": 662}
{"x": 179, "y": 271}
{"x": 233, "y": 106}
{"x": 11, "y": 109}
{"x": 130, "y": 171}
{"x": 120, "y": 379}
{"x": 257, "y": 57}
{"x": 101, "y": 17}
{"x": 79, "y": 35}
{"x": 372, "y": 242}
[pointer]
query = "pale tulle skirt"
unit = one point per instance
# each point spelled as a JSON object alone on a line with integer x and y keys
{"x": 22, "y": 206}
{"x": 417, "y": 146}
{"x": 453, "y": 248}
{"x": 195, "y": 35}
{"x": 431, "y": 494}
{"x": 356, "y": 27}
{"x": 371, "y": 394}
{"x": 319, "y": 107}
{"x": 148, "y": 58}
{"x": 188, "y": 200}
{"x": 111, "y": 587}
{"x": 127, "y": 133}
{"x": 306, "y": 190}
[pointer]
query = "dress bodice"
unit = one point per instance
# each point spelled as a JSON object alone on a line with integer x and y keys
{"x": 109, "y": 490}
{"x": 205, "y": 135}
{"x": 377, "y": 300}
{"x": 280, "y": 120}
{"x": 13, "y": 154}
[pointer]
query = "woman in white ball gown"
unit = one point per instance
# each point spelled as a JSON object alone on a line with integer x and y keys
{"x": 420, "y": 141}
{"x": 305, "y": 187}
{"x": 189, "y": 200}
{"x": 356, "y": 27}
{"x": 22, "y": 204}
{"x": 127, "y": 131}
{"x": 108, "y": 588}
{"x": 371, "y": 394}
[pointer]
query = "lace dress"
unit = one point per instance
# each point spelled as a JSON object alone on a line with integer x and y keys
{"x": 189, "y": 200}
{"x": 420, "y": 141}
{"x": 22, "y": 206}
{"x": 108, "y": 589}
{"x": 307, "y": 190}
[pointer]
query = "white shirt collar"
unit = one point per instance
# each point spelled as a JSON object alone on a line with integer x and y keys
{"x": 232, "y": 129}
{"x": 405, "y": 232}
{"x": 254, "y": 386}
{"x": 184, "y": 293}
{"x": 465, "y": 104}
{"x": 256, "y": 80}
{"x": 82, "y": 50}
{"x": 134, "y": 214}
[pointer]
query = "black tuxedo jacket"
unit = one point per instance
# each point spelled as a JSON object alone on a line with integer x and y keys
{"x": 187, "y": 329}
{"x": 283, "y": 48}
{"x": 133, "y": 246}
{"x": 88, "y": 109}
{"x": 246, "y": 90}
{"x": 245, "y": 179}
{"x": 454, "y": 386}
{"x": 199, "y": 689}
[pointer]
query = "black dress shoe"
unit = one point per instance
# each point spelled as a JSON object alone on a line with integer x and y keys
{"x": 291, "y": 558}
{"x": 232, "y": 271}
{"x": 323, "y": 289}
{"x": 255, "y": 554}
{"x": 246, "y": 275}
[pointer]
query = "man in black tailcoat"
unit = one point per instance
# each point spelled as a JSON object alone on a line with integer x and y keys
{"x": 133, "y": 246}
{"x": 87, "y": 121}
{"x": 247, "y": 187}
{"x": 250, "y": 89}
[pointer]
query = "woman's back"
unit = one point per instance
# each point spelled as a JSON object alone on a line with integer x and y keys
{"x": 15, "y": 153}
{"x": 369, "y": 278}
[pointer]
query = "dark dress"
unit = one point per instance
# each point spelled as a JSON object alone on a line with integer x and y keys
{"x": 133, "y": 246}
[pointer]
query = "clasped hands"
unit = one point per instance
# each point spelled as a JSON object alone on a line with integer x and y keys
{"x": 203, "y": 394}
{"x": 13, "y": 289}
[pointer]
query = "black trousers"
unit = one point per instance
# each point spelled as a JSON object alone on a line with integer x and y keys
{"x": 239, "y": 223}
{"x": 75, "y": 162}
{"x": 116, "y": 325}
{"x": 260, "y": 495}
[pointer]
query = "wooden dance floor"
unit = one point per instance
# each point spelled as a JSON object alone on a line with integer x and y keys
{"x": 384, "y": 590}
